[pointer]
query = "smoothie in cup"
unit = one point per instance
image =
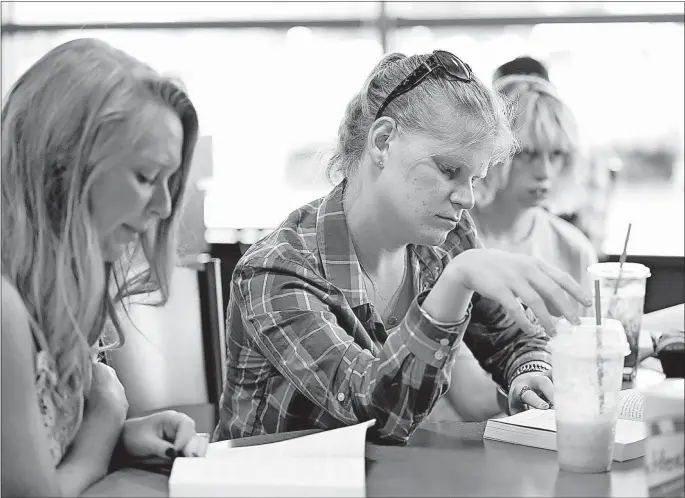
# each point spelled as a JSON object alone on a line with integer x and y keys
{"x": 587, "y": 381}
{"x": 625, "y": 303}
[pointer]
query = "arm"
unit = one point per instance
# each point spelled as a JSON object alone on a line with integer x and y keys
{"x": 501, "y": 337}
{"x": 500, "y": 344}
{"x": 27, "y": 466}
{"x": 289, "y": 314}
{"x": 472, "y": 393}
{"x": 88, "y": 459}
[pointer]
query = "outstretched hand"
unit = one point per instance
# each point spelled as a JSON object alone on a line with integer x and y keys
{"x": 506, "y": 277}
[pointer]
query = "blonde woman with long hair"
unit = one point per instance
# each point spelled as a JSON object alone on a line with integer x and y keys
{"x": 96, "y": 152}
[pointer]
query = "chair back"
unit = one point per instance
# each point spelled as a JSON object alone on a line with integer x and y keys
{"x": 174, "y": 354}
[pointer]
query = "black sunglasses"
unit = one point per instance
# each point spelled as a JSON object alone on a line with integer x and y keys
{"x": 448, "y": 64}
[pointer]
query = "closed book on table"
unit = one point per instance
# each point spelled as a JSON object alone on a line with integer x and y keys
{"x": 537, "y": 428}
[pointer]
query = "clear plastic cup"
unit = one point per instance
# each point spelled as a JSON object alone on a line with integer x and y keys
{"x": 625, "y": 303}
{"x": 587, "y": 381}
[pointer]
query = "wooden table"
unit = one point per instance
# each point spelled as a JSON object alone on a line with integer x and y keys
{"x": 452, "y": 459}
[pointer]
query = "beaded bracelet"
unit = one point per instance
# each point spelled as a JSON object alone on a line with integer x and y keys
{"x": 531, "y": 366}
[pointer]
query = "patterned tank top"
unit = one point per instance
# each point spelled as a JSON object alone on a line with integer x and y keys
{"x": 61, "y": 421}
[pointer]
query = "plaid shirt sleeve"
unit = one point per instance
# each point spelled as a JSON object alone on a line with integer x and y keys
{"x": 289, "y": 315}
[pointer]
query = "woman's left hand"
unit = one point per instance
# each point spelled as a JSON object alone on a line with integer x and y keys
{"x": 163, "y": 434}
{"x": 534, "y": 389}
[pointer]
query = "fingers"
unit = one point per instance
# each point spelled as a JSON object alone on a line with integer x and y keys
{"x": 510, "y": 303}
{"x": 567, "y": 283}
{"x": 533, "y": 300}
{"x": 535, "y": 390}
{"x": 197, "y": 447}
{"x": 546, "y": 387}
{"x": 556, "y": 297}
{"x": 533, "y": 399}
{"x": 183, "y": 429}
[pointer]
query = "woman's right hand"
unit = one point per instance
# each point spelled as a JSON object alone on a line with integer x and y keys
{"x": 107, "y": 394}
{"x": 504, "y": 277}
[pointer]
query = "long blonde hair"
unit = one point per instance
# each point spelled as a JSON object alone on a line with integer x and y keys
{"x": 54, "y": 121}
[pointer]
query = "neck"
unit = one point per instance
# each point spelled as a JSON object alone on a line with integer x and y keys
{"x": 505, "y": 220}
{"x": 379, "y": 248}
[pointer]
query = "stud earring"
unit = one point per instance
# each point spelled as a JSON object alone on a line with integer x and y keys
{"x": 380, "y": 163}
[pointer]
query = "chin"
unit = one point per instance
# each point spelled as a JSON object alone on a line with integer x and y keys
{"x": 112, "y": 252}
{"x": 433, "y": 237}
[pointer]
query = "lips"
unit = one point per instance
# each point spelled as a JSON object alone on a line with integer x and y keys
{"x": 449, "y": 219}
{"x": 540, "y": 190}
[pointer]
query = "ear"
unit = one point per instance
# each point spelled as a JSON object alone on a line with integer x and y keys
{"x": 383, "y": 131}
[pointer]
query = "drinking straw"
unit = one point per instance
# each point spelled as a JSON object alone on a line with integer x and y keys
{"x": 621, "y": 260}
{"x": 598, "y": 320}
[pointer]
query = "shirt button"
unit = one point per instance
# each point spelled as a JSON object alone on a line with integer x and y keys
{"x": 341, "y": 397}
{"x": 439, "y": 355}
{"x": 392, "y": 321}
{"x": 444, "y": 341}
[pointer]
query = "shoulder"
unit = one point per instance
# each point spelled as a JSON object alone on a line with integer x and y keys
{"x": 17, "y": 342}
{"x": 292, "y": 242}
{"x": 568, "y": 236}
{"x": 13, "y": 308}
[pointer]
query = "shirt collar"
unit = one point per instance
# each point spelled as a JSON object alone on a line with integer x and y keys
{"x": 339, "y": 259}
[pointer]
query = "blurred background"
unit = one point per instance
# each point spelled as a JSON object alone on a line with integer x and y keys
{"x": 271, "y": 81}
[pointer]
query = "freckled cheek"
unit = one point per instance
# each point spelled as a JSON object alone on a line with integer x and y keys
{"x": 426, "y": 193}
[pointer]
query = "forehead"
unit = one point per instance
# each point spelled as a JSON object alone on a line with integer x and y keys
{"x": 159, "y": 136}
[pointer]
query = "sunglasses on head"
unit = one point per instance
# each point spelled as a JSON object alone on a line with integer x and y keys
{"x": 448, "y": 65}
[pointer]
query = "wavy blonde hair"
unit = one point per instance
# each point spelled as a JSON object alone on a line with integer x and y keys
{"x": 540, "y": 120}
{"x": 54, "y": 123}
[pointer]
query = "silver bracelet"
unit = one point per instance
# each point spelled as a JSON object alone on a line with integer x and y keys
{"x": 445, "y": 325}
{"x": 531, "y": 366}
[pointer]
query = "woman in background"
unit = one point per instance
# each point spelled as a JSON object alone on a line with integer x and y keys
{"x": 583, "y": 194}
{"x": 509, "y": 213}
{"x": 96, "y": 152}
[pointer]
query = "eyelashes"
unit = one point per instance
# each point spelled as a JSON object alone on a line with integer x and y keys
{"x": 144, "y": 179}
{"x": 450, "y": 173}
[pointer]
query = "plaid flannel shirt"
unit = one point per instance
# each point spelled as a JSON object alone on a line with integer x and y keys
{"x": 306, "y": 348}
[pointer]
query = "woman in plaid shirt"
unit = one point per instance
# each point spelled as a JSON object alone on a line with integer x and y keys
{"x": 355, "y": 307}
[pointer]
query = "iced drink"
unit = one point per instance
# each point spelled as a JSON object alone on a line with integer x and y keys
{"x": 587, "y": 381}
{"x": 625, "y": 303}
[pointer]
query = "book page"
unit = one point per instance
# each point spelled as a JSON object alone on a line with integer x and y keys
{"x": 346, "y": 442}
{"x": 537, "y": 419}
{"x": 329, "y": 463}
{"x": 631, "y": 404}
{"x": 237, "y": 476}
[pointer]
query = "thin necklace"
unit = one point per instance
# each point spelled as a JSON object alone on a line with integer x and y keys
{"x": 392, "y": 319}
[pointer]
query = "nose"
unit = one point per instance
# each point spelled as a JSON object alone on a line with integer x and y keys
{"x": 463, "y": 197}
{"x": 160, "y": 205}
{"x": 544, "y": 168}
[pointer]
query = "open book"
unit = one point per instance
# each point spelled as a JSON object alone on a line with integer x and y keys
{"x": 329, "y": 463}
{"x": 537, "y": 428}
